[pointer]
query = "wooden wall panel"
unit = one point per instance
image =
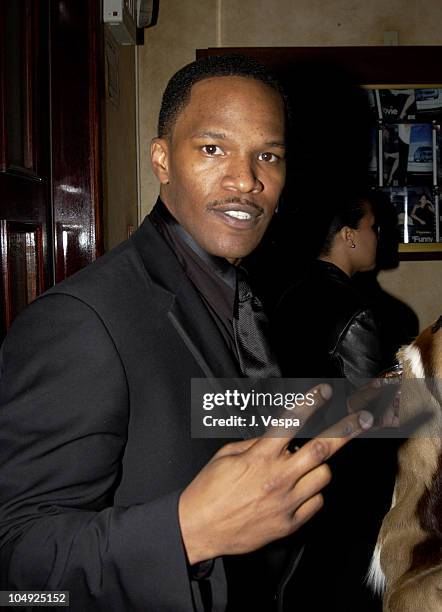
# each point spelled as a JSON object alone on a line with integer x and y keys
{"x": 22, "y": 263}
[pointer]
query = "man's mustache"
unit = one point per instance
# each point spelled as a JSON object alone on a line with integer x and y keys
{"x": 234, "y": 200}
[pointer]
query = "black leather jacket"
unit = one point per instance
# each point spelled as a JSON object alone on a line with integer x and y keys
{"x": 322, "y": 327}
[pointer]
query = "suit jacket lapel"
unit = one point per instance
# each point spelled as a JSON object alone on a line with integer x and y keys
{"x": 187, "y": 311}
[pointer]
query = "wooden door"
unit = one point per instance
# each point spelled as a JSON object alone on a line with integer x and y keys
{"x": 50, "y": 192}
{"x": 24, "y": 155}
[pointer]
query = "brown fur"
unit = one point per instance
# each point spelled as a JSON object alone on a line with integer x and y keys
{"x": 411, "y": 534}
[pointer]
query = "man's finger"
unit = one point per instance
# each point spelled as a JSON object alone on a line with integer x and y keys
{"x": 235, "y": 448}
{"x": 321, "y": 448}
{"x": 378, "y": 396}
{"x": 276, "y": 439}
{"x": 363, "y": 395}
{"x": 309, "y": 485}
{"x": 307, "y": 510}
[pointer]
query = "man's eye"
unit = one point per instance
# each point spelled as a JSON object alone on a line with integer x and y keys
{"x": 268, "y": 157}
{"x": 212, "y": 150}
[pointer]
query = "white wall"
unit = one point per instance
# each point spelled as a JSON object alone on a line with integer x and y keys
{"x": 185, "y": 26}
{"x": 291, "y": 23}
{"x": 419, "y": 285}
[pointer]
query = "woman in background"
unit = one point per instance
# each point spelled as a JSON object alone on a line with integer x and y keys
{"x": 323, "y": 327}
{"x": 323, "y": 319}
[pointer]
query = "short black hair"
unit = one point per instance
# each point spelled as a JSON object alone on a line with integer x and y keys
{"x": 348, "y": 214}
{"x": 177, "y": 92}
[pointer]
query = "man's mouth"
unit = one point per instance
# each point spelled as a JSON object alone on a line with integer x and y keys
{"x": 238, "y": 214}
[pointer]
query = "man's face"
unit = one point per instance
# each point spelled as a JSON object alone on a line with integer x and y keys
{"x": 222, "y": 168}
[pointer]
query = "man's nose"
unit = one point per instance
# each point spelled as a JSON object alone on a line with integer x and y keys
{"x": 241, "y": 176}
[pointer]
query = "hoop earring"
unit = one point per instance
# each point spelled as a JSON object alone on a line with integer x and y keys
{"x": 353, "y": 246}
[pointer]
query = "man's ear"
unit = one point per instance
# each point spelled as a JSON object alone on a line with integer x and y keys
{"x": 159, "y": 157}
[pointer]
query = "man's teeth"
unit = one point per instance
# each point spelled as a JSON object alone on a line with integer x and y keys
{"x": 238, "y": 214}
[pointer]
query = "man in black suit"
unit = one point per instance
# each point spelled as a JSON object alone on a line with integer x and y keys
{"x": 103, "y": 491}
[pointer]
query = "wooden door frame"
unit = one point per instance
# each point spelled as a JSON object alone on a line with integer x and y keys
{"x": 76, "y": 122}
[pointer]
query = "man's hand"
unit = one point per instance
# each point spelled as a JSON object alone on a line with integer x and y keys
{"x": 255, "y": 491}
{"x": 381, "y": 397}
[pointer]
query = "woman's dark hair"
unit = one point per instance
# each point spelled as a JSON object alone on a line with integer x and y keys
{"x": 177, "y": 92}
{"x": 348, "y": 214}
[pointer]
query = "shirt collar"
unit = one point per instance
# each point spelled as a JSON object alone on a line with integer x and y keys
{"x": 163, "y": 219}
{"x": 213, "y": 277}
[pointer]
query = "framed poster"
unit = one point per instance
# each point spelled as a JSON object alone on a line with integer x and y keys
{"x": 405, "y": 160}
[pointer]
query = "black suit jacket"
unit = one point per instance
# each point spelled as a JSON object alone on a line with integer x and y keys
{"x": 95, "y": 443}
